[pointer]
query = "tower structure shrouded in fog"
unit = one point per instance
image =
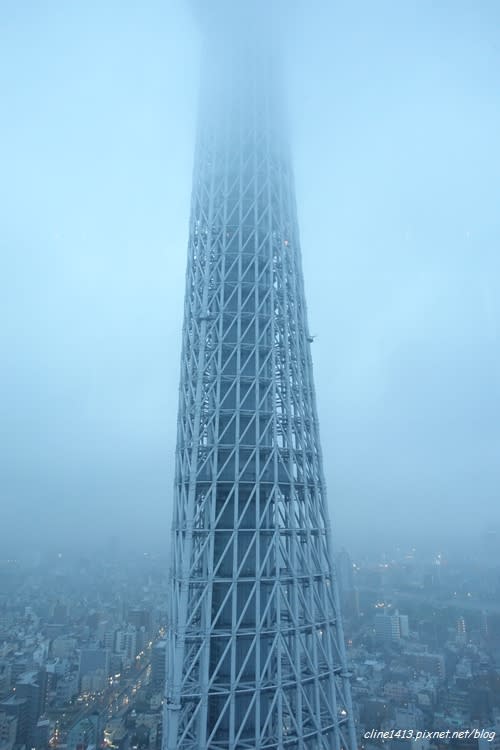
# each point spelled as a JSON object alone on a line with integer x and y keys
{"x": 255, "y": 654}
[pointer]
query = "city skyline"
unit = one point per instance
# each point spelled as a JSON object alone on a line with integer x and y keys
{"x": 91, "y": 630}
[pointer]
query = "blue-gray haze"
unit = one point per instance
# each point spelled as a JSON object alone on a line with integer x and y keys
{"x": 395, "y": 116}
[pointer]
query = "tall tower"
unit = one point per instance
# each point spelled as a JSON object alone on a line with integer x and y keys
{"x": 255, "y": 655}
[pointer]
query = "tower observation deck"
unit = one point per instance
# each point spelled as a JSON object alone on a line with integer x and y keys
{"x": 255, "y": 654}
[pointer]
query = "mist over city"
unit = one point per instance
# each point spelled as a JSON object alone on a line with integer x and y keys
{"x": 381, "y": 120}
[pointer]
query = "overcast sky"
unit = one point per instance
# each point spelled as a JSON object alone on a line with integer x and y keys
{"x": 395, "y": 116}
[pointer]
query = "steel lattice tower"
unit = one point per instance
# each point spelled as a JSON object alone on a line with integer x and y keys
{"x": 255, "y": 656}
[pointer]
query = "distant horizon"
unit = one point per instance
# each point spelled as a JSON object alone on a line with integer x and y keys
{"x": 359, "y": 547}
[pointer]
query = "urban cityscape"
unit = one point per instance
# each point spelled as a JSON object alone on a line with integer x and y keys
{"x": 82, "y": 648}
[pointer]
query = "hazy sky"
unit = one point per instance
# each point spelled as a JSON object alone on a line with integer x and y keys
{"x": 395, "y": 115}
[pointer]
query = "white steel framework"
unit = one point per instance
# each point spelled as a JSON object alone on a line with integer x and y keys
{"x": 256, "y": 655}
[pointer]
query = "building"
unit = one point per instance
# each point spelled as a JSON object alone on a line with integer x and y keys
{"x": 93, "y": 660}
{"x": 63, "y": 647}
{"x": 17, "y": 708}
{"x": 431, "y": 664}
{"x": 404, "y": 626}
{"x": 32, "y": 687}
{"x": 390, "y": 628}
{"x": 349, "y": 594}
{"x": 41, "y": 734}
{"x": 126, "y": 644}
{"x": 158, "y": 664}
{"x": 345, "y": 571}
{"x": 85, "y": 732}
{"x": 94, "y": 682}
{"x": 5, "y": 673}
{"x": 490, "y": 738}
{"x": 18, "y": 665}
{"x": 140, "y": 618}
{"x": 256, "y": 649}
{"x": 461, "y": 636}
{"x": 8, "y": 730}
{"x": 409, "y": 717}
{"x": 66, "y": 688}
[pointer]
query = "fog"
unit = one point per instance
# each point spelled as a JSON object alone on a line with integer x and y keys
{"x": 394, "y": 116}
